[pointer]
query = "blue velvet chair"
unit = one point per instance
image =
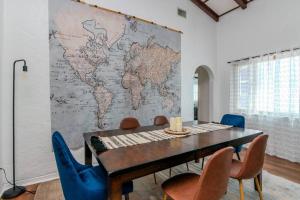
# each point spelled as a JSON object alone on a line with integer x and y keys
{"x": 81, "y": 182}
{"x": 235, "y": 121}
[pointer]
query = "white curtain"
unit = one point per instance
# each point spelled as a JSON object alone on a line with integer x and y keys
{"x": 266, "y": 91}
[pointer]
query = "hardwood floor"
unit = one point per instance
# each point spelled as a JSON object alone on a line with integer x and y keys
{"x": 282, "y": 168}
{"x": 273, "y": 165}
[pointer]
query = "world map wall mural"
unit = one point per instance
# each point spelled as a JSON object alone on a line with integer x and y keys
{"x": 105, "y": 66}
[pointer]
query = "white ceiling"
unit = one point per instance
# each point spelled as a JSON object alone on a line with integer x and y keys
{"x": 221, "y": 6}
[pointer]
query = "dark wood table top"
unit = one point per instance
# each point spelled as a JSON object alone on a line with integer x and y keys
{"x": 138, "y": 156}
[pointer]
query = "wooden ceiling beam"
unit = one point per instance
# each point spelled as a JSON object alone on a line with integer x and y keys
{"x": 242, "y": 3}
{"x": 206, "y": 9}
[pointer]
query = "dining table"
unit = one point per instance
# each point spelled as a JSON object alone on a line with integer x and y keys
{"x": 132, "y": 162}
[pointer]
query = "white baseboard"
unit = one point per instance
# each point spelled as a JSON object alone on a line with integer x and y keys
{"x": 1, "y": 187}
{"x": 39, "y": 179}
{"x": 31, "y": 181}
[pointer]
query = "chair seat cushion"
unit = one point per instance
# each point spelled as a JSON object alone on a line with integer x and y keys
{"x": 96, "y": 177}
{"x": 182, "y": 186}
{"x": 92, "y": 180}
{"x": 235, "y": 169}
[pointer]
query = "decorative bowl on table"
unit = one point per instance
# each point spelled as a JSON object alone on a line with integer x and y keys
{"x": 184, "y": 131}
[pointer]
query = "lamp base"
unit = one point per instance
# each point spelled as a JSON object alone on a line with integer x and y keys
{"x": 13, "y": 192}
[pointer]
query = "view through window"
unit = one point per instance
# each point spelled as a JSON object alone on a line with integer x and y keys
{"x": 267, "y": 85}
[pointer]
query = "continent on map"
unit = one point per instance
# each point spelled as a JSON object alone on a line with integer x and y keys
{"x": 150, "y": 63}
{"x": 132, "y": 82}
{"x": 104, "y": 99}
{"x": 87, "y": 48}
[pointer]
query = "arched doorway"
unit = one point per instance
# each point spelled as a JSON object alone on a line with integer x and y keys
{"x": 203, "y": 94}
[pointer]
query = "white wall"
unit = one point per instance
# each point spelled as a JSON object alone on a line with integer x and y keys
{"x": 26, "y": 36}
{"x": 1, "y": 50}
{"x": 265, "y": 26}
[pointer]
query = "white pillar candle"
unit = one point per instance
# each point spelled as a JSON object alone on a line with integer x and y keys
{"x": 172, "y": 124}
{"x": 178, "y": 124}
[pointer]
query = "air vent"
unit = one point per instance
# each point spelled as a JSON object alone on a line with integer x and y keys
{"x": 181, "y": 13}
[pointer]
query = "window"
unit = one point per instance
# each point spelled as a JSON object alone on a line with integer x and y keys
{"x": 267, "y": 85}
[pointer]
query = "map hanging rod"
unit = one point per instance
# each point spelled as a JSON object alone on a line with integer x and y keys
{"x": 130, "y": 16}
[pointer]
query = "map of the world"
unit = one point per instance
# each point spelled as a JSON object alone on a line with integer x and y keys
{"x": 105, "y": 66}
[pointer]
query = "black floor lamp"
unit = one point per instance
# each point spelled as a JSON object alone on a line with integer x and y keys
{"x": 15, "y": 190}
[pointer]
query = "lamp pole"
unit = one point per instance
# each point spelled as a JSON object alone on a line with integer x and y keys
{"x": 15, "y": 190}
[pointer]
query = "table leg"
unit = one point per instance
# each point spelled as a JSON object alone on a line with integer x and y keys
{"x": 87, "y": 155}
{"x": 114, "y": 189}
{"x": 259, "y": 177}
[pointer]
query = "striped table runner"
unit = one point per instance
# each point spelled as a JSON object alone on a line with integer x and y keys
{"x": 131, "y": 139}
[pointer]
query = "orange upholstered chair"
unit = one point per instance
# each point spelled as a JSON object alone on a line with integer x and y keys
{"x": 211, "y": 185}
{"x": 252, "y": 164}
{"x": 129, "y": 123}
{"x": 160, "y": 120}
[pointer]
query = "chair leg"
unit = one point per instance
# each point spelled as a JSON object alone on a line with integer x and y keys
{"x": 165, "y": 196}
{"x": 154, "y": 176}
{"x": 241, "y": 190}
{"x": 187, "y": 166}
{"x": 238, "y": 155}
{"x": 126, "y": 196}
{"x": 202, "y": 163}
{"x": 170, "y": 172}
{"x": 258, "y": 188}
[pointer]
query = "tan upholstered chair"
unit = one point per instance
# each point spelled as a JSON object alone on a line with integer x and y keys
{"x": 211, "y": 185}
{"x": 252, "y": 164}
{"x": 129, "y": 123}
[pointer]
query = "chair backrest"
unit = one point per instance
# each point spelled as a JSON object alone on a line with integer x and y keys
{"x": 233, "y": 120}
{"x": 213, "y": 181}
{"x": 160, "y": 120}
{"x": 66, "y": 168}
{"x": 129, "y": 123}
{"x": 254, "y": 159}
